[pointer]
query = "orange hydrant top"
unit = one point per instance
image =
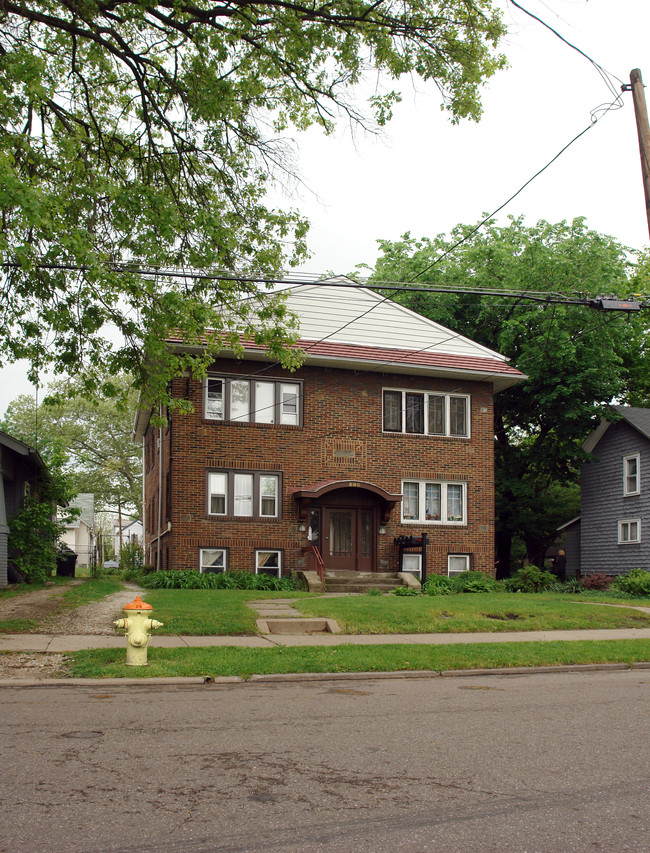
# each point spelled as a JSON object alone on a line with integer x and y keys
{"x": 138, "y": 604}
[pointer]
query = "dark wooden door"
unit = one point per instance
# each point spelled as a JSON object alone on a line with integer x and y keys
{"x": 348, "y": 538}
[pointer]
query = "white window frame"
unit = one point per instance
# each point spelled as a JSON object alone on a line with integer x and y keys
{"x": 444, "y": 489}
{"x": 280, "y": 413}
{"x": 428, "y": 395}
{"x": 259, "y": 569}
{"x": 414, "y": 559}
{"x": 636, "y": 490}
{"x": 256, "y": 502}
{"x": 625, "y": 530}
{"x": 202, "y": 564}
{"x": 455, "y": 572}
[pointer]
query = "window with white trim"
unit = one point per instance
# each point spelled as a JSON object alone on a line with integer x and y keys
{"x": 244, "y": 494}
{"x": 632, "y": 474}
{"x": 629, "y": 531}
{"x": 457, "y": 564}
{"x": 268, "y": 561}
{"x": 213, "y": 560}
{"x": 412, "y": 563}
{"x": 260, "y": 401}
{"x": 426, "y": 413}
{"x": 434, "y": 502}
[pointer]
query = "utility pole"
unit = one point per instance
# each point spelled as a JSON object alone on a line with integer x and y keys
{"x": 643, "y": 130}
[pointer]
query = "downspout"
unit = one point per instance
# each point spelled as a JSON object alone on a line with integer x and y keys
{"x": 159, "y": 490}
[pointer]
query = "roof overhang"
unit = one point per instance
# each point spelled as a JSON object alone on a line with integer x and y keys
{"x": 498, "y": 372}
{"x": 23, "y": 449}
{"x": 307, "y": 495}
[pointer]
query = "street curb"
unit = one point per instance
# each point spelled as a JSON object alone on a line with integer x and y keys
{"x": 297, "y": 677}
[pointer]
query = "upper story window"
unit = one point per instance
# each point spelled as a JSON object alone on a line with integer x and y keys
{"x": 434, "y": 502}
{"x": 632, "y": 475}
{"x": 245, "y": 494}
{"x": 259, "y": 401}
{"x": 426, "y": 413}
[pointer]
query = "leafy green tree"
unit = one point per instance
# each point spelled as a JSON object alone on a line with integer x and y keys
{"x": 139, "y": 134}
{"x": 35, "y": 531}
{"x": 576, "y": 359}
{"x": 94, "y": 437}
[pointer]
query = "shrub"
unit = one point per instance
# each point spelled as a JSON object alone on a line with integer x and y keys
{"x": 405, "y": 590}
{"x": 212, "y": 580}
{"x": 131, "y": 558}
{"x": 572, "y": 585}
{"x": 374, "y": 591}
{"x": 473, "y": 582}
{"x": 597, "y": 583}
{"x": 437, "y": 585}
{"x": 634, "y": 583}
{"x": 530, "y": 579}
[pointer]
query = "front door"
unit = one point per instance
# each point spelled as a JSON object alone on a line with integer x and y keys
{"x": 347, "y": 538}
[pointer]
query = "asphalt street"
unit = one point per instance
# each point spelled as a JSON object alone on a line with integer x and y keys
{"x": 535, "y": 763}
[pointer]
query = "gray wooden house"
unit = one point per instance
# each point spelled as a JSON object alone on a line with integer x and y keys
{"x": 614, "y": 523}
{"x": 20, "y": 468}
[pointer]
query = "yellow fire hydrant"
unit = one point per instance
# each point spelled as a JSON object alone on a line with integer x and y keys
{"x": 138, "y": 628}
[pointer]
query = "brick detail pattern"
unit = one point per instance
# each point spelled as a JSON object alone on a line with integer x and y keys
{"x": 341, "y": 438}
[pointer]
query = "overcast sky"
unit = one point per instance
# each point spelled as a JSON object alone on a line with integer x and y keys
{"x": 425, "y": 175}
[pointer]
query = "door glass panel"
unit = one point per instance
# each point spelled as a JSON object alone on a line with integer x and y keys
{"x": 341, "y": 533}
{"x": 314, "y": 527}
{"x": 366, "y": 533}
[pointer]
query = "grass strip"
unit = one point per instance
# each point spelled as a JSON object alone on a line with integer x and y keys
{"x": 90, "y": 590}
{"x": 18, "y": 626}
{"x": 229, "y": 661}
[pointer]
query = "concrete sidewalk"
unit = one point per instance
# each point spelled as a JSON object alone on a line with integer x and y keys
{"x": 60, "y": 643}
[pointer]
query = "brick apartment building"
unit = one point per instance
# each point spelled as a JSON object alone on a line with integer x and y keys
{"x": 386, "y": 430}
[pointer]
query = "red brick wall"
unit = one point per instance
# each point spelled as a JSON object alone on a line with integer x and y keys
{"x": 338, "y": 405}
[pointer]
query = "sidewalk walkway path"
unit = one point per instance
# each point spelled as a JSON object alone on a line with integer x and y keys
{"x": 73, "y": 643}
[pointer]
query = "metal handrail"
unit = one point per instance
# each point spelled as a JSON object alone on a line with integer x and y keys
{"x": 318, "y": 562}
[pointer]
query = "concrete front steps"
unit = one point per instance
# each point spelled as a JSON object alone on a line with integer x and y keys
{"x": 341, "y": 581}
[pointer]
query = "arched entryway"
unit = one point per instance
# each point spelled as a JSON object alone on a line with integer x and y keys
{"x": 343, "y": 520}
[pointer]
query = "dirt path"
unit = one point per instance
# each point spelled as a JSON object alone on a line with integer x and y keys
{"x": 34, "y": 605}
{"x": 42, "y": 605}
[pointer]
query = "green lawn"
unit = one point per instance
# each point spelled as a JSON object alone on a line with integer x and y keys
{"x": 224, "y": 612}
{"x": 494, "y": 612}
{"x": 207, "y": 611}
{"x": 229, "y": 661}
